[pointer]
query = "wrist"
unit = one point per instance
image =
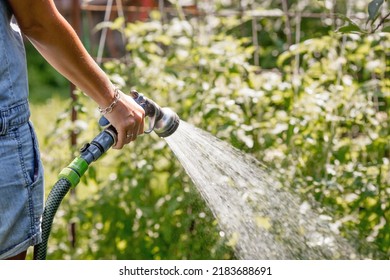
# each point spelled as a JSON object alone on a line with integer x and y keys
{"x": 111, "y": 106}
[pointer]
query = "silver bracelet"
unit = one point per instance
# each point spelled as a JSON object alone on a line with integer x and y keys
{"x": 108, "y": 109}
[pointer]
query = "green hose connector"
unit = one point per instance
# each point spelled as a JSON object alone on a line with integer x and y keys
{"x": 74, "y": 171}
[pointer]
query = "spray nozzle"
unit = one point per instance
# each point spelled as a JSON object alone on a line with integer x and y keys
{"x": 163, "y": 121}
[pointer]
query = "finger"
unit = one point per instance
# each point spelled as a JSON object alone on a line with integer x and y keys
{"x": 138, "y": 129}
{"x": 141, "y": 127}
{"x": 130, "y": 136}
{"x": 121, "y": 141}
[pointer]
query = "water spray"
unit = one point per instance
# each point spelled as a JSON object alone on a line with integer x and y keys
{"x": 163, "y": 121}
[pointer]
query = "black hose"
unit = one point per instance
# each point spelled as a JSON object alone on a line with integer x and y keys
{"x": 54, "y": 199}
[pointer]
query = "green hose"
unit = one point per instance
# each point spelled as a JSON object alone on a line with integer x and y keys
{"x": 69, "y": 177}
{"x": 53, "y": 201}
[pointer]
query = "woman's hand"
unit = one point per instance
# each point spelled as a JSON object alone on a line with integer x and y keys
{"x": 127, "y": 117}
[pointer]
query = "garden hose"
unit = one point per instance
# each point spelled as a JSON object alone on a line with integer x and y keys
{"x": 60, "y": 189}
{"x": 163, "y": 121}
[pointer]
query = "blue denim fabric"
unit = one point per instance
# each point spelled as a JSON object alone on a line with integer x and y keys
{"x": 13, "y": 66}
{"x": 21, "y": 191}
{"x": 21, "y": 172}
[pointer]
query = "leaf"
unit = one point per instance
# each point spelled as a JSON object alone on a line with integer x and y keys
{"x": 386, "y": 29}
{"x": 344, "y": 17}
{"x": 350, "y": 28}
{"x": 102, "y": 25}
{"x": 373, "y": 8}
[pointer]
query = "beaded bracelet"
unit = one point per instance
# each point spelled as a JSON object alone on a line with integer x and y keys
{"x": 108, "y": 109}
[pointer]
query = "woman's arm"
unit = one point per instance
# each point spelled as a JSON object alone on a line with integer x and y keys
{"x": 59, "y": 44}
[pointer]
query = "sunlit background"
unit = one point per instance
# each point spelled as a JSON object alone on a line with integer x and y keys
{"x": 302, "y": 86}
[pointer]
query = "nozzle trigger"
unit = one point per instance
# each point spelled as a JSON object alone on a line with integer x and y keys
{"x": 152, "y": 124}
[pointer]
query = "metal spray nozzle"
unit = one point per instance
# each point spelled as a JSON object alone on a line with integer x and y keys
{"x": 163, "y": 121}
{"x": 167, "y": 124}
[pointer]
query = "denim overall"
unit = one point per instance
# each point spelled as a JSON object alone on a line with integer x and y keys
{"x": 21, "y": 173}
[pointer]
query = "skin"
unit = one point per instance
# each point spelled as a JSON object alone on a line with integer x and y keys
{"x": 58, "y": 43}
{"x": 21, "y": 256}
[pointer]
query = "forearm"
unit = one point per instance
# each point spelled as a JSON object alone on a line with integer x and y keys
{"x": 56, "y": 40}
{"x": 74, "y": 62}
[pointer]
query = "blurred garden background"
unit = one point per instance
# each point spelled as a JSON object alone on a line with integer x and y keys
{"x": 303, "y": 86}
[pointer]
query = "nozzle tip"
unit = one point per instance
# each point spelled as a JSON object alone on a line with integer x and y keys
{"x": 168, "y": 124}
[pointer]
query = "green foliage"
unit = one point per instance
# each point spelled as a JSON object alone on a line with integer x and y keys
{"x": 323, "y": 124}
{"x": 373, "y": 10}
{"x": 44, "y": 83}
{"x": 340, "y": 132}
{"x": 320, "y": 122}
